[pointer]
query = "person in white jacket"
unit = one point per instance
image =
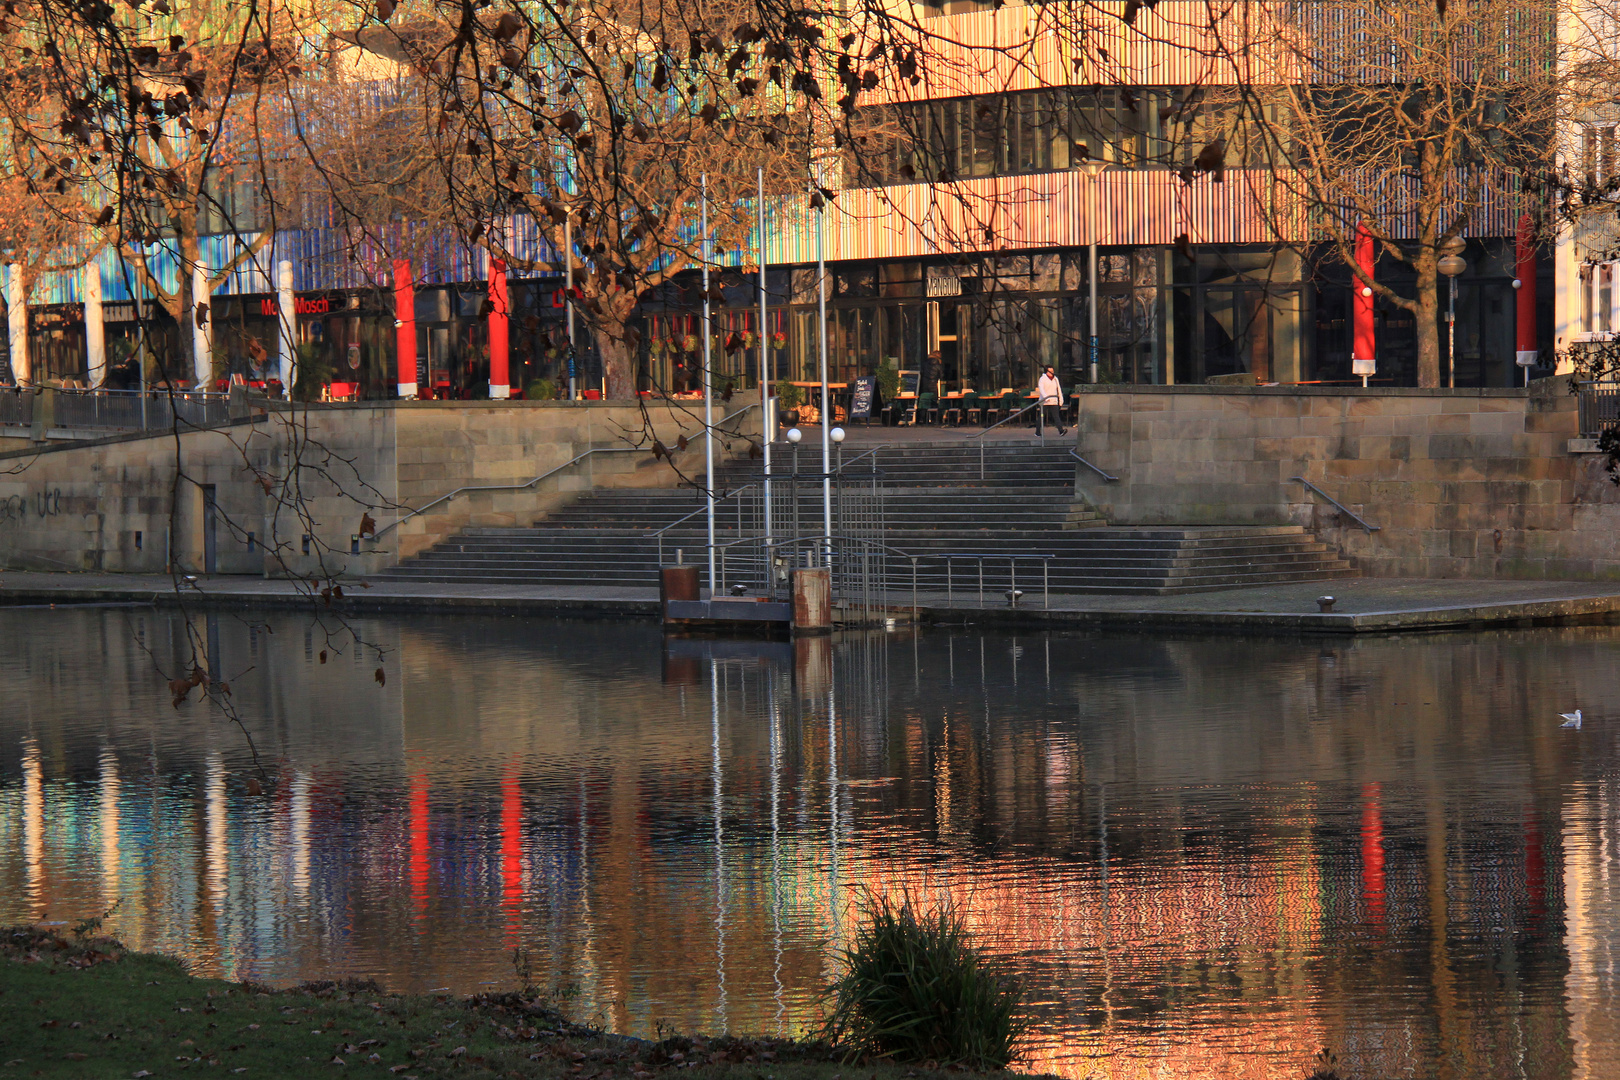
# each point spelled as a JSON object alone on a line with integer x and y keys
{"x": 1050, "y": 394}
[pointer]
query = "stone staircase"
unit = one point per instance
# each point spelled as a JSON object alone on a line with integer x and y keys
{"x": 1000, "y": 499}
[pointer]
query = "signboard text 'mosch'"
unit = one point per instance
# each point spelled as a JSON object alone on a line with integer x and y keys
{"x": 302, "y": 305}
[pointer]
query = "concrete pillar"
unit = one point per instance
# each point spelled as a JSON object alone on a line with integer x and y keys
{"x": 1566, "y": 298}
{"x": 17, "y": 316}
{"x": 95, "y": 334}
{"x": 404, "y": 328}
{"x": 202, "y": 338}
{"x": 500, "y": 318}
{"x": 286, "y": 338}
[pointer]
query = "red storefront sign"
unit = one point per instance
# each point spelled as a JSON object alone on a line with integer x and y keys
{"x": 302, "y": 305}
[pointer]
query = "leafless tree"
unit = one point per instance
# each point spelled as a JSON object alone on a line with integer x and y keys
{"x": 1409, "y": 119}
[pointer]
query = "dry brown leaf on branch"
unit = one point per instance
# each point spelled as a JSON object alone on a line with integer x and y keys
{"x": 381, "y": 676}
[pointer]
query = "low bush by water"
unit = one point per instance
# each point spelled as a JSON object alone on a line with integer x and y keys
{"x": 916, "y": 990}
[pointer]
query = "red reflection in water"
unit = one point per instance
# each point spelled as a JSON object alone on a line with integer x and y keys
{"x": 511, "y": 857}
{"x": 419, "y": 843}
{"x": 1372, "y": 852}
{"x": 1535, "y": 867}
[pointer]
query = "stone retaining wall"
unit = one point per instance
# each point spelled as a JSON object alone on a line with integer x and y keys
{"x": 1462, "y": 483}
{"x": 137, "y": 503}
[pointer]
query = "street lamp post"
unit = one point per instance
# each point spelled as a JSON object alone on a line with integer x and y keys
{"x": 1451, "y": 264}
{"x": 1092, "y": 168}
{"x": 793, "y": 437}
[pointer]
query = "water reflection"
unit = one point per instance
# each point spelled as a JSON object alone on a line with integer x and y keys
{"x": 1209, "y": 858}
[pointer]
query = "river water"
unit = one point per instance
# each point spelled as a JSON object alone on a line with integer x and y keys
{"x": 1206, "y": 857}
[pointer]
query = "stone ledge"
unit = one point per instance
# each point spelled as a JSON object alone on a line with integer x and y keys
{"x": 1583, "y": 446}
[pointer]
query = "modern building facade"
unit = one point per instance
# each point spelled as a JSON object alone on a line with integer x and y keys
{"x": 969, "y": 236}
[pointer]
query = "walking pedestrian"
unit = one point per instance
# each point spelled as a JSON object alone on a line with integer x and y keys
{"x": 1050, "y": 394}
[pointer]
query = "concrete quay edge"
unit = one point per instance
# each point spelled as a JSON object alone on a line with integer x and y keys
{"x": 1143, "y": 614}
{"x": 1603, "y": 610}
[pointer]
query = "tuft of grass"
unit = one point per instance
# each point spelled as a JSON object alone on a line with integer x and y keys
{"x": 916, "y": 990}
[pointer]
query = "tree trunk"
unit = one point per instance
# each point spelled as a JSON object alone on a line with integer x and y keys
{"x": 1428, "y": 327}
{"x": 619, "y": 364}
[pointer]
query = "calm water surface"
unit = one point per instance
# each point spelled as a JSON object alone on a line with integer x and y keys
{"x": 1208, "y": 857}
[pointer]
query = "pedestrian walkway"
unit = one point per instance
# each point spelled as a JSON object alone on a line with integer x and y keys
{"x": 1361, "y": 605}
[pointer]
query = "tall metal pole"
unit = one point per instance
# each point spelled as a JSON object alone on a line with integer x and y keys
{"x": 767, "y": 425}
{"x": 568, "y": 302}
{"x": 826, "y": 416}
{"x": 1451, "y": 337}
{"x": 1091, "y": 276}
{"x": 708, "y": 396}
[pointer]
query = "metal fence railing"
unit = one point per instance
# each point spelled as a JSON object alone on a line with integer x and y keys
{"x": 1599, "y": 406}
{"x": 872, "y": 581}
{"x": 16, "y": 406}
{"x": 114, "y": 410}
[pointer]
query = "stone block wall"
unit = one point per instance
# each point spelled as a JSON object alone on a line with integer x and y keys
{"x": 1462, "y": 483}
{"x": 141, "y": 503}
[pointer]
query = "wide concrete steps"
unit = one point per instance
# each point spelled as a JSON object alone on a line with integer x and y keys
{"x": 980, "y": 505}
{"x": 1096, "y": 560}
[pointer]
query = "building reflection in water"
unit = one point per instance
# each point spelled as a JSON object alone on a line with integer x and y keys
{"x": 1206, "y": 857}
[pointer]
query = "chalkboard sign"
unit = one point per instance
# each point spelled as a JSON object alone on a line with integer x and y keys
{"x": 908, "y": 381}
{"x": 860, "y": 402}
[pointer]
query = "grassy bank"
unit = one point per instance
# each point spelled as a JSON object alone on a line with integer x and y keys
{"x": 88, "y": 1009}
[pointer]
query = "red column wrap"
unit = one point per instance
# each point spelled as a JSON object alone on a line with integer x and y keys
{"x": 500, "y": 317}
{"x": 1525, "y": 271}
{"x": 1363, "y": 353}
{"x": 404, "y": 328}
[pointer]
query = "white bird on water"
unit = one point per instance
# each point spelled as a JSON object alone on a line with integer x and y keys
{"x": 1571, "y": 719}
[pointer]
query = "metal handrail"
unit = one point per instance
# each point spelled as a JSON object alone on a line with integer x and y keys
{"x": 1343, "y": 509}
{"x": 948, "y": 557}
{"x": 842, "y": 465}
{"x": 512, "y": 487}
{"x": 1093, "y": 468}
{"x": 543, "y": 476}
{"x": 1034, "y": 404}
{"x": 659, "y": 535}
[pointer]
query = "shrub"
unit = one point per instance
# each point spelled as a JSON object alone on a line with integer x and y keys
{"x": 915, "y": 989}
{"x": 541, "y": 390}
{"x": 788, "y": 396}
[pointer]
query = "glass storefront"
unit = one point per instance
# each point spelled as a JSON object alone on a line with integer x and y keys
{"x": 1161, "y": 318}
{"x": 994, "y": 321}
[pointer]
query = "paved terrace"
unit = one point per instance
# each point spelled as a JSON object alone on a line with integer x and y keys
{"x": 1364, "y": 605}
